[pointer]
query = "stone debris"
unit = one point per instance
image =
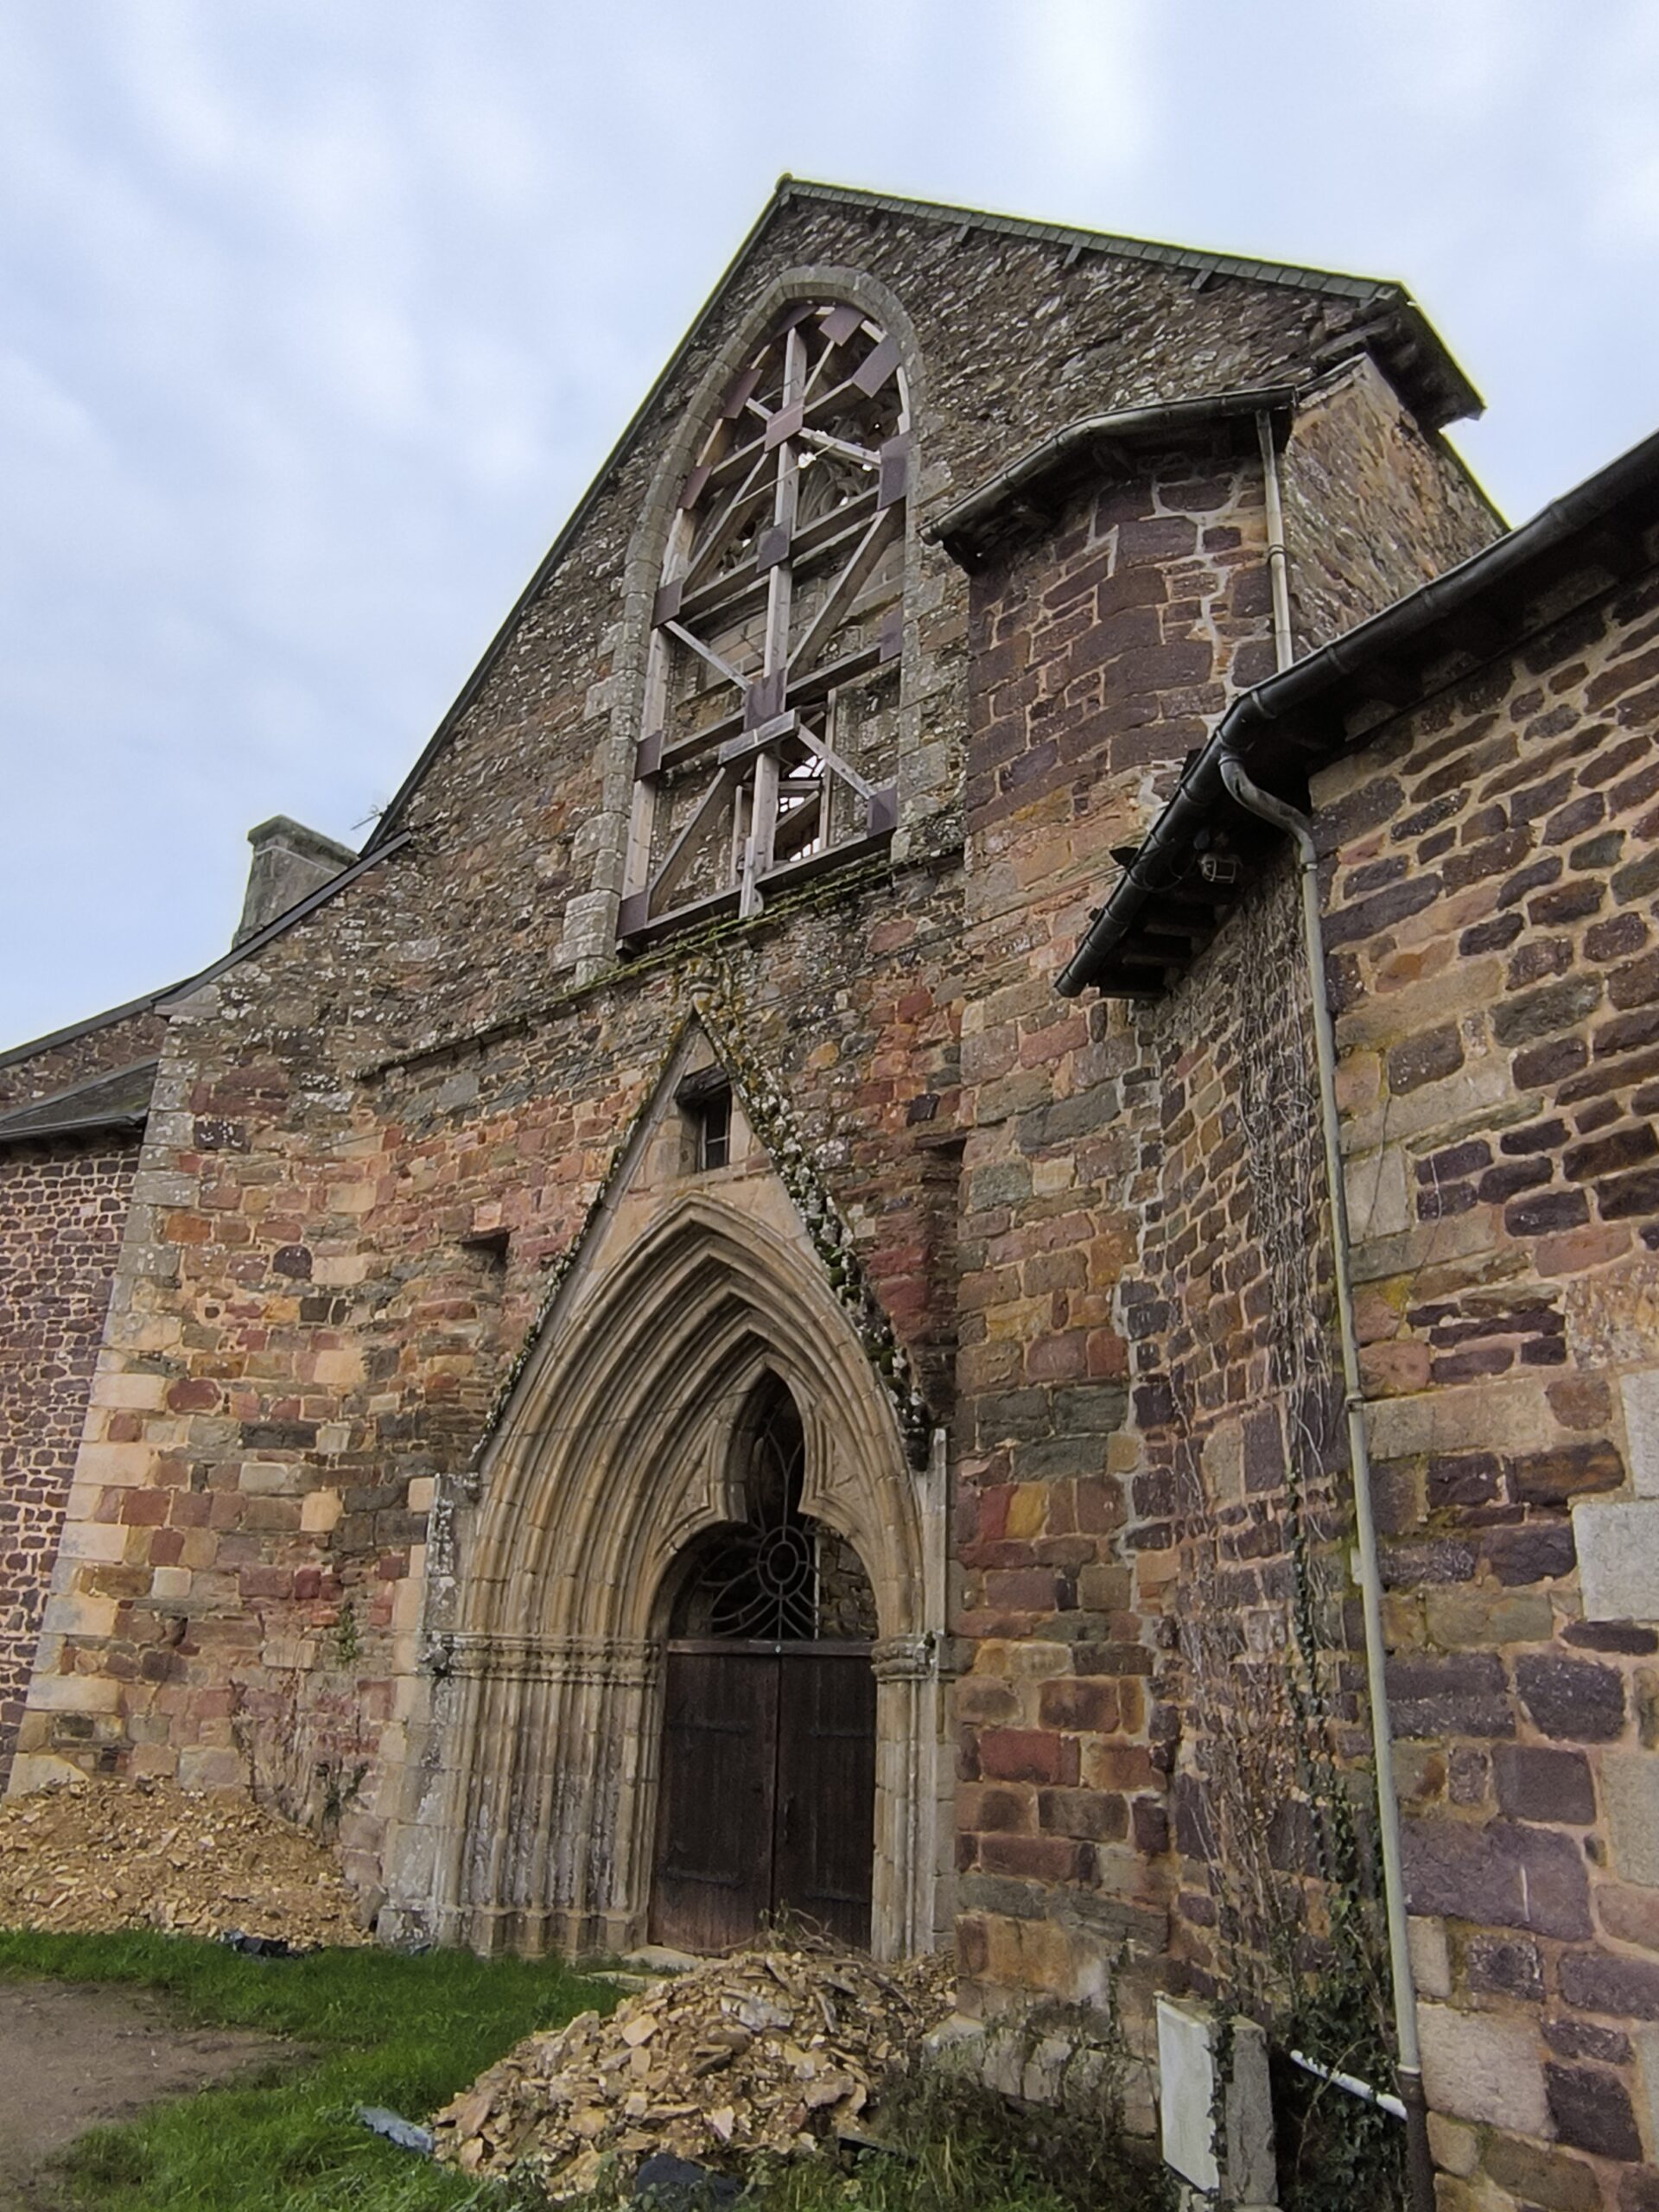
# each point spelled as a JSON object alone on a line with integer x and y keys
{"x": 766, "y": 2050}
{"x": 102, "y": 1856}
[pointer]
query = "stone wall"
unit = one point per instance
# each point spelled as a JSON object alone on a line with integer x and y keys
{"x": 374, "y": 1143}
{"x": 521, "y": 812}
{"x": 1493, "y": 866}
{"x": 1151, "y": 1511}
{"x": 1374, "y": 507}
{"x": 1156, "y": 1690}
{"x": 62, "y": 1208}
{"x": 1241, "y": 1512}
{"x": 1101, "y": 657}
{"x": 372, "y": 1140}
{"x": 332, "y": 1278}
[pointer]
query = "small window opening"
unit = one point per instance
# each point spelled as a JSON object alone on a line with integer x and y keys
{"x": 489, "y": 1245}
{"x": 713, "y": 1129}
{"x": 705, "y": 1100}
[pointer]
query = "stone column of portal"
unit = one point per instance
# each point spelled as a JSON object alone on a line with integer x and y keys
{"x": 487, "y": 1789}
{"x": 906, "y": 1747}
{"x": 632, "y": 1671}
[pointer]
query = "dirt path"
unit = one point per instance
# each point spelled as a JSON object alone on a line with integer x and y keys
{"x": 74, "y": 2054}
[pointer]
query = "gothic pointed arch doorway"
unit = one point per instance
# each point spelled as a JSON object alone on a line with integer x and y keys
{"x": 766, "y": 1799}
{"x": 616, "y": 1472}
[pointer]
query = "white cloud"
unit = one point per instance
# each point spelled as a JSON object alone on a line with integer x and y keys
{"x": 1459, "y": 60}
{"x": 316, "y": 318}
{"x": 1088, "y": 82}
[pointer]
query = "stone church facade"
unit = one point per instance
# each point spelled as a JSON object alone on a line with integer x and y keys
{"x": 703, "y": 1329}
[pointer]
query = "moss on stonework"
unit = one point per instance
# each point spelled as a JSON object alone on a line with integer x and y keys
{"x": 769, "y": 1115}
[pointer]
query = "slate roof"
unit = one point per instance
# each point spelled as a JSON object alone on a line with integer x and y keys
{"x": 117, "y": 1100}
{"x": 1163, "y": 907}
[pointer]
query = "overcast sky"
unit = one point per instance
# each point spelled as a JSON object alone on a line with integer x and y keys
{"x": 315, "y": 315}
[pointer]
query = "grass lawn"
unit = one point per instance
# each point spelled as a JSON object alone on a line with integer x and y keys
{"x": 386, "y": 2029}
{"x": 380, "y": 2028}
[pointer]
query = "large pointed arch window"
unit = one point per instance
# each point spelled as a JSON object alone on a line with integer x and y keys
{"x": 769, "y": 732}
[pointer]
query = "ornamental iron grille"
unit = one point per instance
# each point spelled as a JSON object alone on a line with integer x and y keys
{"x": 778, "y": 1577}
{"x": 772, "y": 684}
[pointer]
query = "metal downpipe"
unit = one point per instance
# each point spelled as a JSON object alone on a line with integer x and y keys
{"x": 1420, "y": 2161}
{"x": 1408, "y": 2067}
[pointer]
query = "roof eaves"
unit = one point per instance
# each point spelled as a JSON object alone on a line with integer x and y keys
{"x": 970, "y": 528}
{"x": 1290, "y": 705}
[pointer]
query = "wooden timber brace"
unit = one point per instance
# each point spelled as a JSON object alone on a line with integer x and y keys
{"x": 781, "y": 599}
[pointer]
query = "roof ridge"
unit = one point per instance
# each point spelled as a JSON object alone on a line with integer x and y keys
{"x": 1393, "y": 300}
{"x": 1256, "y": 267}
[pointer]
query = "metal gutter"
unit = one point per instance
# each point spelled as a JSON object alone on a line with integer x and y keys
{"x": 1258, "y": 714}
{"x": 964, "y": 525}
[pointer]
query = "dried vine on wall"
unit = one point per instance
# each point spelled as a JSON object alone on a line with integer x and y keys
{"x": 1261, "y": 1635}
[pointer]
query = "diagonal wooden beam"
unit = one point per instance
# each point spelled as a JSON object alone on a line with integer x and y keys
{"x": 678, "y": 856}
{"x": 755, "y": 487}
{"x": 846, "y": 587}
{"x": 837, "y": 766}
{"x": 707, "y": 652}
{"x": 822, "y": 440}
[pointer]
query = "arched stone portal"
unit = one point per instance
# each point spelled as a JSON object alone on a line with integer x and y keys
{"x": 537, "y": 1803}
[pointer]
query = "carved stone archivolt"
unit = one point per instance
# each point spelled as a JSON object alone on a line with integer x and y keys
{"x": 530, "y": 1817}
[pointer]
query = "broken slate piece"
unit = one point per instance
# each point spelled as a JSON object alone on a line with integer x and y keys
{"x": 258, "y": 1946}
{"x": 404, "y": 2132}
{"x": 681, "y": 2185}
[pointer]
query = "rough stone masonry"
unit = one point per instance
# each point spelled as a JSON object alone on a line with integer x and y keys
{"x": 475, "y": 1224}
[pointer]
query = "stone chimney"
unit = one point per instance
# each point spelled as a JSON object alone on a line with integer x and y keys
{"x": 289, "y": 862}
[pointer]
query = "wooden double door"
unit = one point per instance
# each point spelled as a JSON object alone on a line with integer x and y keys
{"x": 767, "y": 1791}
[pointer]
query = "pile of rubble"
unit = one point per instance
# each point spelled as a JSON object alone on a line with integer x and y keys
{"x": 772, "y": 2050}
{"x": 108, "y": 1855}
